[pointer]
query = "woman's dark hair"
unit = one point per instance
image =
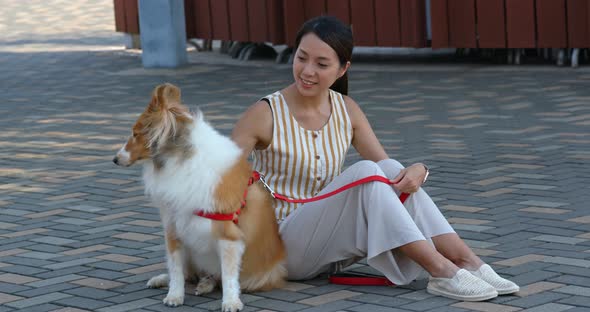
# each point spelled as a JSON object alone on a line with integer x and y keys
{"x": 338, "y": 36}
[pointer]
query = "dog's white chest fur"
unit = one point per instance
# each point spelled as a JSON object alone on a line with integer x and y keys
{"x": 195, "y": 234}
{"x": 183, "y": 185}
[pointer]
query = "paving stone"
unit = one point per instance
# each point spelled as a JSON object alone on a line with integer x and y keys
{"x": 16, "y": 279}
{"x": 573, "y": 280}
{"x": 25, "y": 303}
{"x": 97, "y": 283}
{"x": 537, "y": 299}
{"x": 83, "y": 303}
{"x": 5, "y": 298}
{"x": 329, "y": 297}
{"x": 538, "y": 287}
{"x": 144, "y": 292}
{"x": 550, "y": 307}
{"x": 485, "y": 307}
{"x": 339, "y": 305}
{"x": 55, "y": 280}
{"x": 129, "y": 305}
{"x": 62, "y": 288}
{"x": 272, "y": 304}
{"x": 381, "y": 300}
{"x": 373, "y": 308}
{"x": 40, "y": 308}
{"x": 577, "y": 301}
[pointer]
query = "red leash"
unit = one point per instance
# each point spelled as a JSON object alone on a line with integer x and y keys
{"x": 345, "y": 278}
{"x": 373, "y": 178}
{"x": 339, "y": 278}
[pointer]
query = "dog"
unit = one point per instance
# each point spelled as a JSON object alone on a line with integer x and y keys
{"x": 191, "y": 171}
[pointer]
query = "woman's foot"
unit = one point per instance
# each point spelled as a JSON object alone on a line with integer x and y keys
{"x": 463, "y": 286}
{"x": 502, "y": 285}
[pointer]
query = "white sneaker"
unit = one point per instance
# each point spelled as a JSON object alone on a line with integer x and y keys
{"x": 502, "y": 285}
{"x": 463, "y": 286}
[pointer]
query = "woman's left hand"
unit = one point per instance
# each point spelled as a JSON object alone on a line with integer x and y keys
{"x": 410, "y": 179}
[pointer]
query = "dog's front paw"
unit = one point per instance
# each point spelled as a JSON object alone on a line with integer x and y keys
{"x": 174, "y": 300}
{"x": 206, "y": 285}
{"x": 232, "y": 305}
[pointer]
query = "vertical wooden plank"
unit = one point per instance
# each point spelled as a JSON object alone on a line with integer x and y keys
{"x": 220, "y": 24}
{"x": 132, "y": 16}
{"x": 257, "y": 21}
{"x": 578, "y": 25}
{"x": 119, "y": 8}
{"x": 189, "y": 19}
{"x": 294, "y": 18}
{"x": 363, "y": 22}
{"x": 274, "y": 14}
{"x": 238, "y": 16}
{"x": 202, "y": 16}
{"x": 439, "y": 20}
{"x": 462, "y": 32}
{"x": 340, "y": 9}
{"x": 551, "y": 24}
{"x": 314, "y": 8}
{"x": 520, "y": 24}
{"x": 387, "y": 23}
{"x": 413, "y": 23}
{"x": 491, "y": 24}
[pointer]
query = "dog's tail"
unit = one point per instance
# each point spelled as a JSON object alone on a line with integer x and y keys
{"x": 265, "y": 281}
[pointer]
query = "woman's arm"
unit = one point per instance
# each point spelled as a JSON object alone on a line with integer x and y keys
{"x": 368, "y": 146}
{"x": 254, "y": 128}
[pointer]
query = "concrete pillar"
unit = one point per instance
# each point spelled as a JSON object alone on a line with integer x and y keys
{"x": 163, "y": 33}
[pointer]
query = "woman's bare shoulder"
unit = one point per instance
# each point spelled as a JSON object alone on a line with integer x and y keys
{"x": 254, "y": 128}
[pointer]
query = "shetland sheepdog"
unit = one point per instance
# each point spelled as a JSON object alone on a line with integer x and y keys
{"x": 189, "y": 167}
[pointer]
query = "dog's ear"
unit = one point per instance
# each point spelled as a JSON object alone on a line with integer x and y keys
{"x": 164, "y": 95}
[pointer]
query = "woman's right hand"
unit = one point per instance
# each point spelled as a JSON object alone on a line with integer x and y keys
{"x": 410, "y": 179}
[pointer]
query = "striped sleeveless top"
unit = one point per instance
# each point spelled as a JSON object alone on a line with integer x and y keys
{"x": 298, "y": 162}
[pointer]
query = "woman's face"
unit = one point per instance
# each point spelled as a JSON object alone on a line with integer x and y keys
{"x": 315, "y": 66}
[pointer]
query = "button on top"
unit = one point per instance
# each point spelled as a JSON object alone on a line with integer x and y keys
{"x": 318, "y": 178}
{"x": 314, "y": 135}
{"x": 317, "y": 157}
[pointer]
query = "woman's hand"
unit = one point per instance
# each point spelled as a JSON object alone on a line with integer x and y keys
{"x": 410, "y": 179}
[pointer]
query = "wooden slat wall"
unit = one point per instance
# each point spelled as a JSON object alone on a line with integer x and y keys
{"x": 387, "y": 23}
{"x": 220, "y": 23}
{"x": 462, "y": 23}
{"x": 257, "y": 21}
{"x": 274, "y": 15}
{"x": 363, "y": 26}
{"x": 294, "y": 17}
{"x": 120, "y": 24}
{"x": 339, "y": 9}
{"x": 439, "y": 19}
{"x": 520, "y": 23}
{"x": 238, "y": 15}
{"x": 132, "y": 16}
{"x": 578, "y": 13}
{"x": 314, "y": 8}
{"x": 413, "y": 23}
{"x": 551, "y": 24}
{"x": 202, "y": 19}
{"x": 189, "y": 20}
{"x": 491, "y": 23}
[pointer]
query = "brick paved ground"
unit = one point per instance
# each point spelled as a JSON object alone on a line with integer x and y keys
{"x": 509, "y": 149}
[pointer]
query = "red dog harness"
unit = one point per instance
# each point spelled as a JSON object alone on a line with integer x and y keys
{"x": 234, "y": 215}
{"x": 256, "y": 176}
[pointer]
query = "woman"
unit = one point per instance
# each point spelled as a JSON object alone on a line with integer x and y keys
{"x": 299, "y": 136}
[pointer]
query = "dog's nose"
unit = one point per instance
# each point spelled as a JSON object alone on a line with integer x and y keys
{"x": 116, "y": 160}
